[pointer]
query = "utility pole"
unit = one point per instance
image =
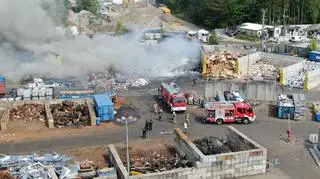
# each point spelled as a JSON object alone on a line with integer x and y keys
{"x": 80, "y": 7}
{"x": 262, "y": 33}
{"x": 284, "y": 16}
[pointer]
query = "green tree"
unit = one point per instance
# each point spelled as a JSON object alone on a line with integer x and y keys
{"x": 88, "y": 5}
{"x": 314, "y": 9}
{"x": 313, "y": 44}
{"x": 213, "y": 39}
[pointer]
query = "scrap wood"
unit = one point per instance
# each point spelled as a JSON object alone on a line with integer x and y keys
{"x": 28, "y": 112}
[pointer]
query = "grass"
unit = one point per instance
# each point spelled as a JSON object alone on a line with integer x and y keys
{"x": 247, "y": 37}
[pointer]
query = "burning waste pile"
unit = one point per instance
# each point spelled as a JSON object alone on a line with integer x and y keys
{"x": 28, "y": 112}
{"x": 221, "y": 65}
{"x": 153, "y": 161}
{"x": 116, "y": 82}
{"x": 70, "y": 113}
{"x": 127, "y": 113}
{"x": 212, "y": 145}
{"x": 263, "y": 69}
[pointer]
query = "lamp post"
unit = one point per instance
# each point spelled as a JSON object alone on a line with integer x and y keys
{"x": 127, "y": 143}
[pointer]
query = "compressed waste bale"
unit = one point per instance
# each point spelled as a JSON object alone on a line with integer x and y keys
{"x": 211, "y": 146}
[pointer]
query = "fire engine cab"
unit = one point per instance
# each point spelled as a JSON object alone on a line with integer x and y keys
{"x": 226, "y": 112}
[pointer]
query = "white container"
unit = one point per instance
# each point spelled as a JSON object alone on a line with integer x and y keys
{"x": 20, "y": 91}
{"x": 313, "y": 138}
{"x": 49, "y": 91}
{"x": 26, "y": 93}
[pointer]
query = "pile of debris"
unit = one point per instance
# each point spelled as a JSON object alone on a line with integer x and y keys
{"x": 152, "y": 161}
{"x": 115, "y": 82}
{"x": 285, "y": 101}
{"x": 70, "y": 113}
{"x": 263, "y": 69}
{"x": 297, "y": 80}
{"x": 221, "y": 65}
{"x": 28, "y": 112}
{"x": 212, "y": 145}
{"x": 233, "y": 96}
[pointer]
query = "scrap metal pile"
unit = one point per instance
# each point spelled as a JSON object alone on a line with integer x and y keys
{"x": 28, "y": 112}
{"x": 297, "y": 80}
{"x": 285, "y": 101}
{"x": 263, "y": 69}
{"x": 115, "y": 82}
{"x": 153, "y": 161}
{"x": 70, "y": 113}
{"x": 31, "y": 166}
{"x": 221, "y": 65}
{"x": 211, "y": 146}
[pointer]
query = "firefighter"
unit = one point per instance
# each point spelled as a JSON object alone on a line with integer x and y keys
{"x": 289, "y": 133}
{"x": 187, "y": 119}
{"x": 144, "y": 133}
{"x": 146, "y": 126}
{"x": 160, "y": 115}
{"x": 155, "y": 106}
{"x": 194, "y": 82}
{"x": 174, "y": 117}
{"x": 150, "y": 124}
{"x": 185, "y": 127}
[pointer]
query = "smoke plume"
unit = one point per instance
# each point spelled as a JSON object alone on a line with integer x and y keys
{"x": 26, "y": 27}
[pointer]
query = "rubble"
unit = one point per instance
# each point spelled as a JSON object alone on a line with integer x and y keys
{"x": 153, "y": 161}
{"x": 221, "y": 65}
{"x": 127, "y": 113}
{"x": 297, "y": 80}
{"x": 212, "y": 145}
{"x": 285, "y": 101}
{"x": 70, "y": 113}
{"x": 115, "y": 82}
{"x": 28, "y": 112}
{"x": 263, "y": 68}
{"x": 233, "y": 96}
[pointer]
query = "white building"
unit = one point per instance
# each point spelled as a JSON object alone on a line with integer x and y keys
{"x": 253, "y": 29}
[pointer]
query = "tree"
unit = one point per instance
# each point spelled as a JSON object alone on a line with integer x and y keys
{"x": 313, "y": 45}
{"x": 213, "y": 39}
{"x": 88, "y": 5}
{"x": 314, "y": 9}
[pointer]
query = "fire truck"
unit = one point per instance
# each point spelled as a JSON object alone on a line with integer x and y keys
{"x": 173, "y": 97}
{"x": 229, "y": 112}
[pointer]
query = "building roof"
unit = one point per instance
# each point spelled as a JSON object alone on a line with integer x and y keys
{"x": 253, "y": 26}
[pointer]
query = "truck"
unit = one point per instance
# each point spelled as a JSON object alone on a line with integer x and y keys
{"x": 229, "y": 112}
{"x": 201, "y": 35}
{"x": 172, "y": 95}
{"x": 2, "y": 86}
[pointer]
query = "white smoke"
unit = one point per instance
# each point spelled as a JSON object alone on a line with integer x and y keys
{"x": 25, "y": 25}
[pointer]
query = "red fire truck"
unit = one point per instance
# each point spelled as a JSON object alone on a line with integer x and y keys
{"x": 229, "y": 112}
{"x": 173, "y": 97}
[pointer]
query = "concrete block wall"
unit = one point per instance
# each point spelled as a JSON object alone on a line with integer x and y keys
{"x": 226, "y": 165}
{"x": 115, "y": 160}
{"x": 313, "y": 79}
{"x": 92, "y": 114}
{"x": 247, "y": 61}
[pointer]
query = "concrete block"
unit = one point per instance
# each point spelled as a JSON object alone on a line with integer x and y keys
{"x": 3, "y": 125}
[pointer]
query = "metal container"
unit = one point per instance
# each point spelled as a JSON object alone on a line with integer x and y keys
{"x": 49, "y": 91}
{"x": 35, "y": 92}
{"x": 103, "y": 107}
{"x": 285, "y": 112}
{"x": 317, "y": 116}
{"x": 2, "y": 79}
{"x": 42, "y": 92}
{"x": 20, "y": 92}
{"x": 2, "y": 88}
{"x": 314, "y": 56}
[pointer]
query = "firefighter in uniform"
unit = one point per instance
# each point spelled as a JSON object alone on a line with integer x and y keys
{"x": 174, "y": 117}
{"x": 187, "y": 119}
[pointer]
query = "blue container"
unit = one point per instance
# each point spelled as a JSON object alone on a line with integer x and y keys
{"x": 103, "y": 107}
{"x": 284, "y": 111}
{"x": 314, "y": 56}
{"x": 98, "y": 121}
{"x": 318, "y": 116}
{"x": 2, "y": 79}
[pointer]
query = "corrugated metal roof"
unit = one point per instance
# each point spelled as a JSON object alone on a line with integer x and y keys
{"x": 253, "y": 26}
{"x": 102, "y": 99}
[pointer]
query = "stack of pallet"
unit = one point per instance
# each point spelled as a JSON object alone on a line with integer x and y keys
{"x": 299, "y": 104}
{"x": 220, "y": 65}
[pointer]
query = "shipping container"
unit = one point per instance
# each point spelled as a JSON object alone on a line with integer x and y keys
{"x": 2, "y": 79}
{"x": 2, "y": 88}
{"x": 314, "y": 56}
{"x": 317, "y": 116}
{"x": 284, "y": 112}
{"x": 103, "y": 107}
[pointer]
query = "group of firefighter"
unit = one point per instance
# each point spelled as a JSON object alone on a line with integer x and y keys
{"x": 149, "y": 122}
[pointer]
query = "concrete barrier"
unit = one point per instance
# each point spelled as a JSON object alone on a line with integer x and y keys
{"x": 251, "y": 160}
{"x": 312, "y": 79}
{"x": 253, "y": 90}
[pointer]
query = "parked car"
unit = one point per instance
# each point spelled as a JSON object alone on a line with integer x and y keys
{"x": 296, "y": 39}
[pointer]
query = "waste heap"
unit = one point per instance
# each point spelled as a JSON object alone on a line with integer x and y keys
{"x": 263, "y": 69}
{"x": 151, "y": 161}
{"x": 297, "y": 80}
{"x": 211, "y": 146}
{"x": 28, "y": 112}
{"x": 233, "y": 96}
{"x": 221, "y": 65}
{"x": 285, "y": 101}
{"x": 115, "y": 82}
{"x": 70, "y": 113}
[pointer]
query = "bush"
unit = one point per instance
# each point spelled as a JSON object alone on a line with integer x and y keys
{"x": 247, "y": 37}
{"x": 213, "y": 39}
